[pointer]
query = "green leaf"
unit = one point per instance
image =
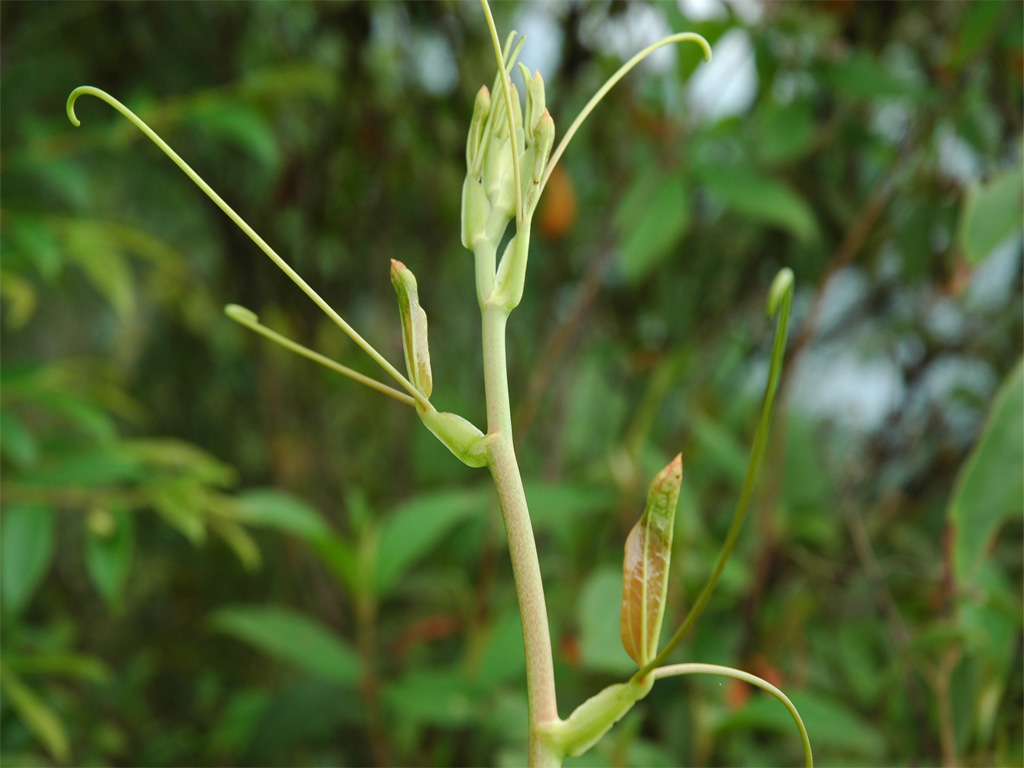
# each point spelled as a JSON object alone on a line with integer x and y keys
{"x": 27, "y": 539}
{"x": 762, "y": 198}
{"x": 33, "y": 239}
{"x": 832, "y": 726}
{"x": 241, "y": 543}
{"x": 37, "y": 715}
{"x": 19, "y": 296}
{"x": 862, "y": 77}
{"x": 17, "y": 443}
{"x": 240, "y": 125}
{"x": 992, "y": 212}
{"x": 502, "y": 659}
{"x": 180, "y": 456}
{"x": 600, "y": 633}
{"x": 990, "y": 487}
{"x": 74, "y": 665}
{"x": 783, "y": 133}
{"x": 87, "y": 417}
{"x": 418, "y": 525}
{"x": 108, "y": 555}
{"x": 95, "y": 248}
{"x": 437, "y": 697}
{"x": 88, "y": 469}
{"x": 293, "y": 638}
{"x": 273, "y": 509}
{"x": 652, "y": 219}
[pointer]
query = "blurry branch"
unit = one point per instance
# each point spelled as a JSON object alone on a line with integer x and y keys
{"x": 559, "y": 340}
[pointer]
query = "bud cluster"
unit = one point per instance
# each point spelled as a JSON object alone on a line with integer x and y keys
{"x": 489, "y": 192}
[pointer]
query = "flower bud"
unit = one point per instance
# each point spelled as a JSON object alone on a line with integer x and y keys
{"x": 535, "y": 103}
{"x": 475, "y": 211}
{"x": 645, "y": 566}
{"x": 474, "y": 141}
{"x": 538, "y": 155}
{"x": 414, "y": 328}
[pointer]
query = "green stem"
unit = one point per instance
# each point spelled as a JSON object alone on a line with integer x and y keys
{"x": 540, "y": 675}
{"x": 242, "y": 225}
{"x": 737, "y": 674}
{"x": 248, "y": 318}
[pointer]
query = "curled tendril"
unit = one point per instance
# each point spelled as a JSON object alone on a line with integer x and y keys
{"x": 674, "y": 670}
{"x": 679, "y": 37}
{"x": 88, "y": 90}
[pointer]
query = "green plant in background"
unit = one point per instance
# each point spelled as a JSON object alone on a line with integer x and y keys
{"x": 510, "y": 156}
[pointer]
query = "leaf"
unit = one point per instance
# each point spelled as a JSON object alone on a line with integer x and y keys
{"x": 33, "y": 239}
{"x": 27, "y": 539}
{"x": 992, "y": 212}
{"x": 832, "y": 726}
{"x": 108, "y": 555}
{"x": 184, "y": 457}
{"x": 94, "y": 248}
{"x": 600, "y": 638}
{"x": 990, "y": 487}
{"x": 783, "y": 133}
{"x": 241, "y": 125}
{"x": 74, "y": 665}
{"x": 87, "y": 417}
{"x": 435, "y": 696}
{"x": 17, "y": 443}
{"x": 862, "y": 77}
{"x": 273, "y": 509}
{"x": 762, "y": 198}
{"x": 652, "y": 220}
{"x": 502, "y": 658}
{"x": 293, "y": 638}
{"x": 88, "y": 469}
{"x": 19, "y": 297}
{"x": 37, "y": 715}
{"x": 241, "y": 543}
{"x": 645, "y": 566}
{"x": 417, "y": 526}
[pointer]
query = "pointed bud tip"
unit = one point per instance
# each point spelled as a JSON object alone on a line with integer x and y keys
{"x": 671, "y": 476}
{"x": 396, "y": 265}
{"x": 240, "y": 314}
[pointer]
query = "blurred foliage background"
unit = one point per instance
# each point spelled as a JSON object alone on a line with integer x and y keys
{"x": 214, "y": 553}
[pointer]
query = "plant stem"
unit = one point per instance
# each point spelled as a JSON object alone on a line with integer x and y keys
{"x": 540, "y": 675}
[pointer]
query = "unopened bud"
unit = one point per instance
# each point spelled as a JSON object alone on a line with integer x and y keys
{"x": 414, "y": 328}
{"x": 535, "y": 103}
{"x": 538, "y": 155}
{"x": 645, "y": 566}
{"x": 475, "y": 211}
{"x": 474, "y": 141}
{"x": 544, "y": 140}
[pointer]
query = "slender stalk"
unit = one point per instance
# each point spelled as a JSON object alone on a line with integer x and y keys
{"x": 714, "y": 669}
{"x": 242, "y": 225}
{"x": 622, "y": 71}
{"x": 540, "y": 675}
{"x": 246, "y": 317}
